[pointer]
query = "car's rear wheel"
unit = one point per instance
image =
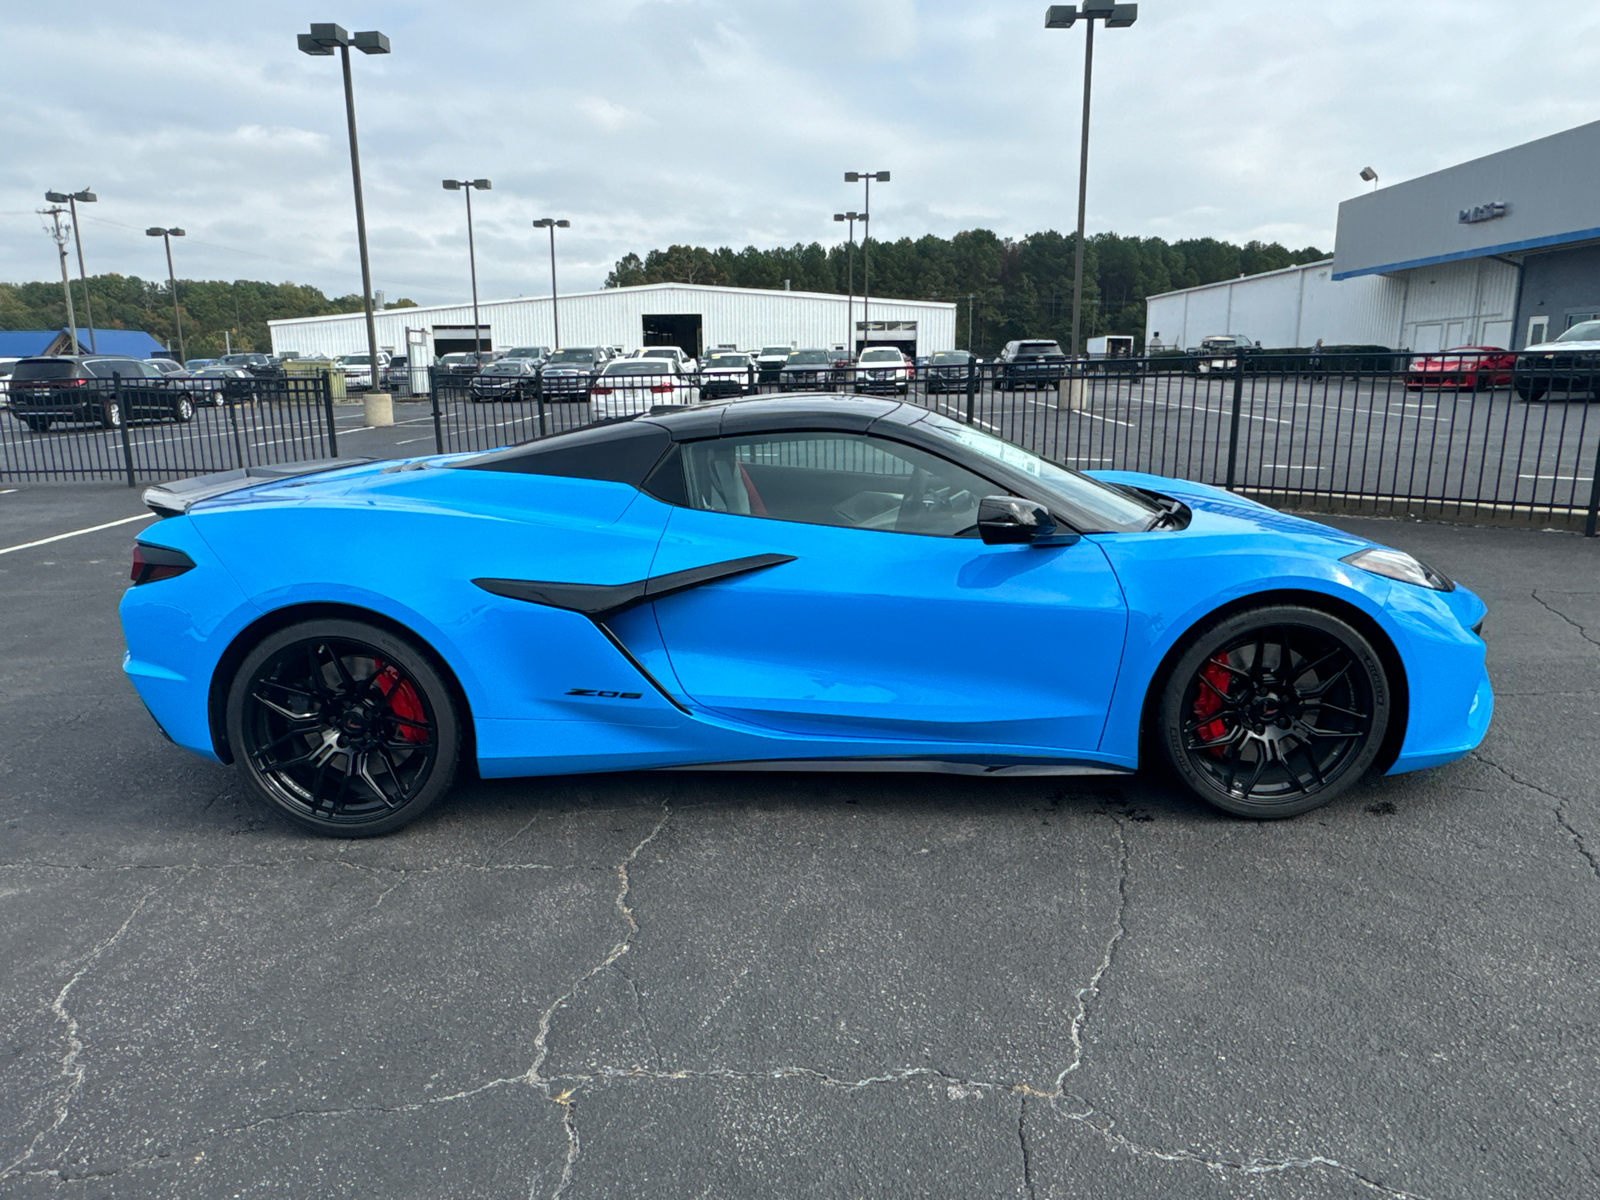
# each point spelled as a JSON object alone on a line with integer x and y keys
{"x": 37, "y": 424}
{"x": 111, "y": 415}
{"x": 346, "y": 729}
{"x": 1532, "y": 389}
{"x": 183, "y": 410}
{"x": 1274, "y": 711}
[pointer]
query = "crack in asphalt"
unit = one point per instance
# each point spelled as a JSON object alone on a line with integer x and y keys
{"x": 71, "y": 1069}
{"x": 1548, "y": 607}
{"x": 563, "y": 1089}
{"x": 1560, "y": 810}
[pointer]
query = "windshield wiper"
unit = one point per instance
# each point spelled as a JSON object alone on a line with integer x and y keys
{"x": 1170, "y": 515}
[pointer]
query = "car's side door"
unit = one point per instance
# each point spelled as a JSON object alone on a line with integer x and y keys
{"x": 890, "y": 620}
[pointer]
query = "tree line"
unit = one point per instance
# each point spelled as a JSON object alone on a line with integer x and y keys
{"x": 1017, "y": 287}
{"x": 215, "y": 313}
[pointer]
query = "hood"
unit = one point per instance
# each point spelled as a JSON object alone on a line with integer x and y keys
{"x": 1563, "y": 348}
{"x": 1216, "y": 511}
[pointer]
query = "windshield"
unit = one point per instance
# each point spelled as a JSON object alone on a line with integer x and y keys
{"x": 46, "y": 369}
{"x": 354, "y": 360}
{"x": 775, "y": 352}
{"x": 639, "y": 366}
{"x": 503, "y": 368}
{"x": 1094, "y": 506}
{"x": 527, "y": 352}
{"x": 808, "y": 358}
{"x": 881, "y": 356}
{"x": 1039, "y": 348}
{"x": 662, "y": 352}
{"x": 1583, "y": 331}
{"x": 572, "y": 356}
{"x": 951, "y": 358}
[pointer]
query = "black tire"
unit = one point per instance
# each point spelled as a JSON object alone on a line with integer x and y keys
{"x": 1532, "y": 389}
{"x": 1255, "y": 742}
{"x": 110, "y": 414}
{"x": 183, "y": 410}
{"x": 37, "y": 424}
{"x": 324, "y": 729}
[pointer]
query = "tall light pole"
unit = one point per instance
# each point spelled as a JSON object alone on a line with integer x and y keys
{"x": 59, "y": 235}
{"x": 850, "y": 303}
{"x": 166, "y": 235}
{"x": 866, "y": 177}
{"x": 322, "y": 41}
{"x": 552, "y": 224}
{"x": 71, "y": 199}
{"x": 1062, "y": 16}
{"x": 467, "y": 186}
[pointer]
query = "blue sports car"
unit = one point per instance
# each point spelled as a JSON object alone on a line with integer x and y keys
{"x": 793, "y": 583}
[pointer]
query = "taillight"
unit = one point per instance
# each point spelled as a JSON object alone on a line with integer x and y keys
{"x": 600, "y": 391}
{"x": 157, "y": 562}
{"x": 661, "y": 389}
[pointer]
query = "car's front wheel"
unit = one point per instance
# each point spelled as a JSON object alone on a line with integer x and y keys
{"x": 110, "y": 414}
{"x": 183, "y": 410}
{"x": 1274, "y": 711}
{"x": 346, "y": 729}
{"x": 1532, "y": 389}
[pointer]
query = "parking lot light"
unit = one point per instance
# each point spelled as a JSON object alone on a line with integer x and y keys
{"x": 1064, "y": 16}
{"x": 553, "y": 224}
{"x": 468, "y": 186}
{"x": 72, "y": 200}
{"x": 166, "y": 235}
{"x": 865, "y": 178}
{"x": 850, "y": 258}
{"x": 323, "y": 40}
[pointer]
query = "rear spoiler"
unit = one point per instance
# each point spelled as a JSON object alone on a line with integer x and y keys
{"x": 174, "y": 499}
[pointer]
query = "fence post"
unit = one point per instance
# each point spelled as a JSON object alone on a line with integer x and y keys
{"x": 541, "y": 412}
{"x": 972, "y": 385}
{"x": 1233, "y": 423}
{"x": 326, "y": 378}
{"x": 231, "y": 403}
{"x": 1589, "y": 523}
{"x": 122, "y": 426}
{"x": 433, "y": 396}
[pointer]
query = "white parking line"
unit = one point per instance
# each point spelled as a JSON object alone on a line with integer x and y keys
{"x": 91, "y": 529}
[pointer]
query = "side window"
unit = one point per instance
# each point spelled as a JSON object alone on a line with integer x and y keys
{"x": 841, "y": 479}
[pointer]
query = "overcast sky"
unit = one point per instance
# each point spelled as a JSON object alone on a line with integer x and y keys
{"x": 730, "y": 122}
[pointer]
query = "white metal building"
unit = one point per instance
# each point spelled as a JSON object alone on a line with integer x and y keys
{"x": 1500, "y": 251}
{"x": 692, "y": 316}
{"x": 1466, "y": 303}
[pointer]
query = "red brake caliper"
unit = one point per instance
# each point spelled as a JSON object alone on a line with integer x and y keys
{"x": 403, "y": 702}
{"x": 1209, "y": 702}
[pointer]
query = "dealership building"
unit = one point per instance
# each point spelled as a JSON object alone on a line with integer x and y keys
{"x": 693, "y": 316}
{"x": 1500, "y": 251}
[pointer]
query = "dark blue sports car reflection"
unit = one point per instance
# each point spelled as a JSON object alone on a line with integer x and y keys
{"x": 783, "y": 583}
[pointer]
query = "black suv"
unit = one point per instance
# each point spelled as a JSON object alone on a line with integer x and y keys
{"x": 83, "y": 390}
{"x": 256, "y": 364}
{"x": 1030, "y": 364}
{"x": 569, "y": 372}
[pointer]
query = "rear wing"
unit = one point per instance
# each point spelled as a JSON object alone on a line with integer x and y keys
{"x": 175, "y": 498}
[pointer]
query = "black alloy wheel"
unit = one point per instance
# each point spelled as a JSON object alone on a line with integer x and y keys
{"x": 346, "y": 729}
{"x": 1275, "y": 711}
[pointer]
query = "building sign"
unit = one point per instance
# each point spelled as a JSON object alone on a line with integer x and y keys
{"x": 1483, "y": 212}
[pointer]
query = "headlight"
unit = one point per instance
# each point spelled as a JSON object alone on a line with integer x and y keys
{"x": 1397, "y": 564}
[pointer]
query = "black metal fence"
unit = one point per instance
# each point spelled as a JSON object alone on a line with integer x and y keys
{"x": 1469, "y": 436}
{"x": 141, "y": 430}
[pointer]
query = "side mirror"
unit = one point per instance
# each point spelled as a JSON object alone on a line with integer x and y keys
{"x": 1009, "y": 521}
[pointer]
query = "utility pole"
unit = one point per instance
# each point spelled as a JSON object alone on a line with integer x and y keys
{"x": 60, "y": 236}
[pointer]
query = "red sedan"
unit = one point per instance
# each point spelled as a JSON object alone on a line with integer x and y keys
{"x": 1468, "y": 368}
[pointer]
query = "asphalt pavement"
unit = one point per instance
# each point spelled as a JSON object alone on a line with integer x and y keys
{"x": 735, "y": 985}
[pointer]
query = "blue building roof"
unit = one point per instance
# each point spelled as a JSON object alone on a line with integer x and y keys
{"x": 131, "y": 343}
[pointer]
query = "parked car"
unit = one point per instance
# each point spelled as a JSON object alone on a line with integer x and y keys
{"x": 466, "y": 362}
{"x": 685, "y": 363}
{"x": 357, "y": 369}
{"x": 256, "y": 364}
{"x": 1220, "y": 352}
{"x": 883, "y": 369}
{"x": 170, "y": 367}
{"x": 948, "y": 371}
{"x": 1568, "y": 363}
{"x": 1472, "y": 368}
{"x": 568, "y": 373}
{"x": 62, "y": 389}
{"x": 727, "y": 373}
{"x": 218, "y": 385}
{"x": 508, "y": 379}
{"x": 905, "y": 590}
{"x": 807, "y": 371}
{"x": 769, "y": 363}
{"x": 844, "y": 369}
{"x": 1030, "y": 363}
{"x": 537, "y": 353}
{"x": 7, "y": 365}
{"x": 197, "y": 364}
{"x": 634, "y": 385}
{"x": 397, "y": 378}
